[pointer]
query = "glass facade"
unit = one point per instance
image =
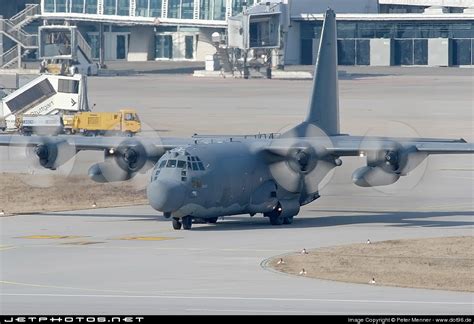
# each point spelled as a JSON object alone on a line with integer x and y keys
{"x": 155, "y": 8}
{"x": 219, "y": 10}
{"x": 123, "y": 7}
{"x": 91, "y": 6}
{"x": 205, "y": 10}
{"x": 237, "y": 5}
{"x": 60, "y": 5}
{"x": 173, "y": 8}
{"x": 72, "y": 6}
{"x": 410, "y": 46}
{"x": 141, "y": 8}
{"x": 110, "y": 7}
{"x": 77, "y": 6}
{"x": 187, "y": 9}
{"x": 49, "y": 5}
{"x": 178, "y": 9}
{"x": 212, "y": 10}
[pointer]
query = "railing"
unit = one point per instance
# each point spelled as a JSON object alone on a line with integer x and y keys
{"x": 9, "y": 56}
{"x": 30, "y": 11}
{"x": 83, "y": 45}
{"x": 27, "y": 40}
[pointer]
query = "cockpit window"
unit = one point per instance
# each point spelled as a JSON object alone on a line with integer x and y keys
{"x": 195, "y": 164}
{"x": 181, "y": 164}
{"x": 162, "y": 164}
{"x": 171, "y": 164}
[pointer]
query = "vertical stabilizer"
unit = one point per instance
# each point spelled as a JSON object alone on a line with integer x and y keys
{"x": 324, "y": 105}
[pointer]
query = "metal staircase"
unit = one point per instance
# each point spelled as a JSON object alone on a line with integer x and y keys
{"x": 10, "y": 57}
{"x": 13, "y": 29}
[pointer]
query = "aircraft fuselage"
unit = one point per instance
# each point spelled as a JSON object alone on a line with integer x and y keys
{"x": 211, "y": 180}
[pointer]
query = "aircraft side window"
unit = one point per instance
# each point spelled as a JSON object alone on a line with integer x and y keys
{"x": 171, "y": 164}
{"x": 201, "y": 166}
{"x": 162, "y": 164}
{"x": 181, "y": 164}
{"x": 189, "y": 158}
{"x": 195, "y": 166}
{"x": 189, "y": 166}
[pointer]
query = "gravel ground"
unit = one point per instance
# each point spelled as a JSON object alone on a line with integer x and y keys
{"x": 436, "y": 263}
{"x": 63, "y": 193}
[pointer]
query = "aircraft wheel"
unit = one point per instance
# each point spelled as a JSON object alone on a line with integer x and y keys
{"x": 276, "y": 220}
{"x": 212, "y": 220}
{"x": 187, "y": 222}
{"x": 288, "y": 220}
{"x": 176, "y": 223}
{"x": 166, "y": 215}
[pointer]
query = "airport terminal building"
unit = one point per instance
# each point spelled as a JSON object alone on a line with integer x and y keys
{"x": 370, "y": 32}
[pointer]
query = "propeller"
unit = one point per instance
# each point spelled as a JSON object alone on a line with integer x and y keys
{"x": 390, "y": 158}
{"x": 39, "y": 159}
{"x": 300, "y": 161}
{"x": 132, "y": 160}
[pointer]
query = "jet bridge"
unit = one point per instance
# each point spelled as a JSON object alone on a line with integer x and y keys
{"x": 46, "y": 95}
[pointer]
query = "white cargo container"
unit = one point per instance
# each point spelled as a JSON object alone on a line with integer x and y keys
{"x": 41, "y": 125}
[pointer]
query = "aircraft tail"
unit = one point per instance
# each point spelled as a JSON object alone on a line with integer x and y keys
{"x": 323, "y": 109}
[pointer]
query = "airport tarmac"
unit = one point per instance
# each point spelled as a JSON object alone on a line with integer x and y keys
{"x": 129, "y": 261}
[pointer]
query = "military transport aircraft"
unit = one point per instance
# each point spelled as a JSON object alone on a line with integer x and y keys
{"x": 204, "y": 178}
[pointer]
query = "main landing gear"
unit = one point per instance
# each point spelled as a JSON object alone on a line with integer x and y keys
{"x": 186, "y": 222}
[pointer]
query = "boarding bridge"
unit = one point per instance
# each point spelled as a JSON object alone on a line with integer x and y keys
{"x": 24, "y": 42}
{"x": 59, "y": 43}
{"x": 46, "y": 95}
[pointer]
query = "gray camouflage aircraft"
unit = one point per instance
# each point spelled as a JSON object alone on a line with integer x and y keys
{"x": 204, "y": 178}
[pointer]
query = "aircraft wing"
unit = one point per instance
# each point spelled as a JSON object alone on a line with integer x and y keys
{"x": 91, "y": 143}
{"x": 355, "y": 145}
{"x": 345, "y": 145}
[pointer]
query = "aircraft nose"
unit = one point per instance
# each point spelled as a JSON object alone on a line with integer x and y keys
{"x": 165, "y": 196}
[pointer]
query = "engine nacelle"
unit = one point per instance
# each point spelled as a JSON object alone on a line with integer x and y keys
{"x": 53, "y": 155}
{"x": 105, "y": 172}
{"x": 133, "y": 156}
{"x": 373, "y": 176}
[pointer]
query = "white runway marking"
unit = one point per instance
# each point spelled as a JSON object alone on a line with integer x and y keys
{"x": 247, "y": 299}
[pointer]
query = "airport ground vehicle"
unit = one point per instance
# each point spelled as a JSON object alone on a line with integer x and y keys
{"x": 123, "y": 122}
